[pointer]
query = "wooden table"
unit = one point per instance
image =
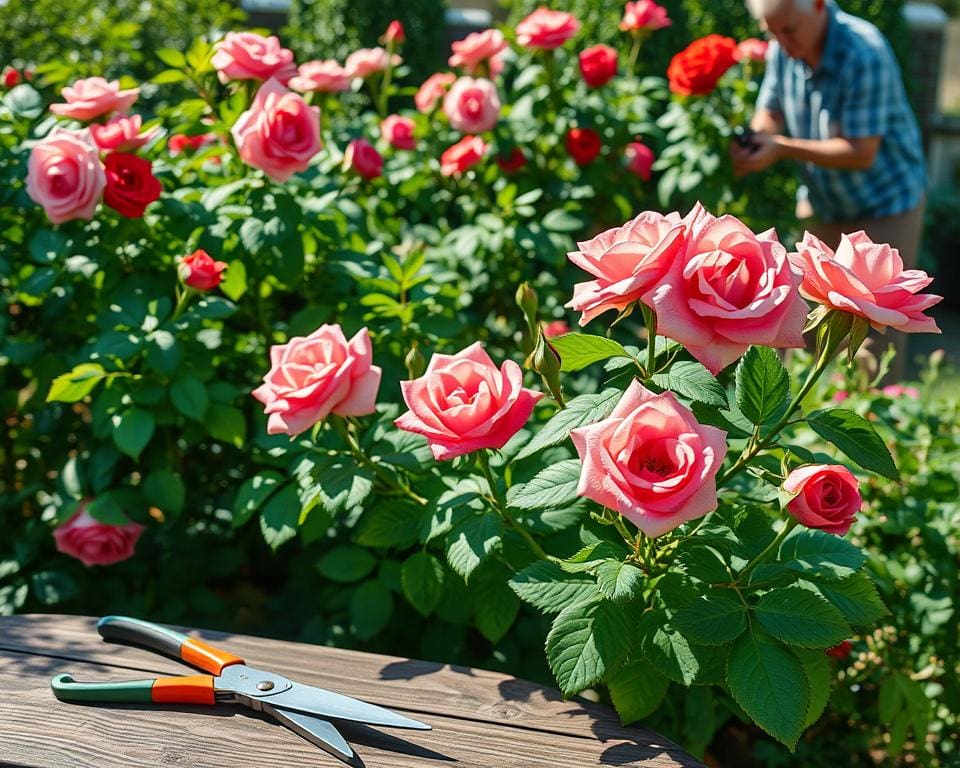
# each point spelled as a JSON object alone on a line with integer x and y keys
{"x": 480, "y": 719}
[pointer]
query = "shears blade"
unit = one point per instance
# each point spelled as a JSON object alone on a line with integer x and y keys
{"x": 317, "y": 731}
{"x": 327, "y": 704}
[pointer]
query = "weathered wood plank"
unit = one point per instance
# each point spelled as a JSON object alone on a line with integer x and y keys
{"x": 476, "y": 722}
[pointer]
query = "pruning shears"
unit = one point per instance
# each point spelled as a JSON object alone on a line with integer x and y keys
{"x": 302, "y": 708}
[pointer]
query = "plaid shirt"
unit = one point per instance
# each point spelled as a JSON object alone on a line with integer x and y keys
{"x": 855, "y": 92}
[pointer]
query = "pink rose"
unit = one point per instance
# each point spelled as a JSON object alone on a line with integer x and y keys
{"x": 651, "y": 461}
{"x": 249, "y": 56}
{"x": 464, "y": 403}
{"x": 199, "y": 270}
{"x": 866, "y": 279}
{"x": 121, "y": 133}
{"x": 432, "y": 90}
{"x": 477, "y": 48}
{"x": 311, "y": 377}
{"x": 369, "y": 61}
{"x": 729, "y": 288}
{"x": 639, "y": 159}
{"x": 826, "y": 497}
{"x": 629, "y": 262}
{"x": 395, "y": 33}
{"x": 320, "y": 76}
{"x": 462, "y": 156}
{"x": 93, "y": 97}
{"x": 398, "y": 131}
{"x": 362, "y": 157}
{"x": 752, "y": 49}
{"x": 556, "y": 328}
{"x": 472, "y": 105}
{"x": 893, "y": 391}
{"x": 95, "y": 543}
{"x": 65, "y": 176}
{"x": 598, "y": 64}
{"x": 279, "y": 134}
{"x": 545, "y": 29}
{"x": 644, "y": 14}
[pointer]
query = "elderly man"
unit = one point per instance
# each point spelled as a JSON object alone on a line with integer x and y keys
{"x": 833, "y": 100}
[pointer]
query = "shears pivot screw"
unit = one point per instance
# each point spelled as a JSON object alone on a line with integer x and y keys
{"x": 265, "y": 685}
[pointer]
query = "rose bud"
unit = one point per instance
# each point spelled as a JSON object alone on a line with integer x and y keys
{"x": 395, "y": 34}
{"x": 584, "y": 145}
{"x": 826, "y": 497}
{"x": 362, "y": 158}
{"x": 200, "y": 271}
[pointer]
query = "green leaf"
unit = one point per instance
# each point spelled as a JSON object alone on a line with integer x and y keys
{"x": 620, "y": 581}
{"x": 371, "y": 606}
{"x": 816, "y": 666}
{"x": 798, "y": 616}
{"x": 189, "y": 396}
{"x": 770, "y": 685}
{"x": 254, "y": 491}
{"x": 857, "y": 599}
{"x": 23, "y": 100}
{"x": 817, "y": 554}
{"x": 581, "y": 410}
{"x": 171, "y": 57}
{"x": 76, "y": 384}
{"x": 554, "y": 486}
{"x": 393, "y": 525}
{"x": 856, "y": 437}
{"x": 578, "y": 350}
{"x": 280, "y": 517}
{"x": 762, "y": 385}
{"x": 226, "y": 424}
{"x": 694, "y": 381}
{"x": 472, "y": 542}
{"x": 52, "y": 587}
{"x": 132, "y": 430}
{"x": 168, "y": 76}
{"x": 343, "y": 485}
{"x": 421, "y": 579}
{"x": 496, "y": 609}
{"x": 106, "y": 509}
{"x": 667, "y": 649}
{"x": 637, "y": 689}
{"x": 165, "y": 489}
{"x": 252, "y": 236}
{"x": 715, "y": 618}
{"x": 546, "y": 587}
{"x": 346, "y": 564}
{"x": 234, "y": 284}
{"x": 584, "y": 641}
{"x": 560, "y": 220}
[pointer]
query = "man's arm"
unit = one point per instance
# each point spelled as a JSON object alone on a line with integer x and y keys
{"x": 857, "y": 154}
{"x": 766, "y": 121}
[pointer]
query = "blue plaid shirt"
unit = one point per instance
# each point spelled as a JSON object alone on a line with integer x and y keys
{"x": 855, "y": 92}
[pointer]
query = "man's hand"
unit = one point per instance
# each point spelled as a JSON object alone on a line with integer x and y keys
{"x": 762, "y": 152}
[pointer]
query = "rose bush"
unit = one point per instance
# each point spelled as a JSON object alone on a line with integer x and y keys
{"x": 619, "y": 494}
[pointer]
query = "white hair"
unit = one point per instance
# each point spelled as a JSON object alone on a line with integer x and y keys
{"x": 761, "y": 8}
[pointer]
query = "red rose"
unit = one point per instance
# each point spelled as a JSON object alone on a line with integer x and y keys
{"x": 597, "y": 65}
{"x": 131, "y": 185}
{"x": 11, "y": 77}
{"x": 841, "y": 650}
{"x": 462, "y": 156}
{"x": 639, "y": 159}
{"x": 698, "y": 67}
{"x": 395, "y": 33}
{"x": 200, "y": 271}
{"x": 362, "y": 158}
{"x": 583, "y": 144}
{"x": 513, "y": 162}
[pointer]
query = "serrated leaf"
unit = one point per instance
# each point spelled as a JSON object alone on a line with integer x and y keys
{"x": 580, "y": 410}
{"x": 280, "y": 517}
{"x": 667, "y": 649}
{"x": 578, "y": 350}
{"x": 546, "y": 587}
{"x": 584, "y": 641}
{"x": 637, "y": 688}
{"x": 798, "y": 616}
{"x": 346, "y": 564}
{"x": 371, "y": 606}
{"x": 856, "y": 598}
{"x": 715, "y": 618}
{"x": 389, "y": 526}
{"x": 421, "y": 579}
{"x": 496, "y": 609}
{"x": 554, "y": 486}
{"x": 694, "y": 381}
{"x": 816, "y": 666}
{"x": 762, "y": 385}
{"x": 132, "y": 430}
{"x": 342, "y": 486}
{"x": 769, "y": 684}
{"x": 76, "y": 384}
{"x": 817, "y": 554}
{"x": 449, "y": 510}
{"x": 856, "y": 437}
{"x": 620, "y": 581}
{"x": 189, "y": 396}
{"x": 472, "y": 542}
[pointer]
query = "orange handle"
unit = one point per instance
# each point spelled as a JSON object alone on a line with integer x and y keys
{"x": 190, "y": 689}
{"x": 203, "y": 656}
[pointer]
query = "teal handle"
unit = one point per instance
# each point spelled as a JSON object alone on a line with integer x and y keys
{"x": 143, "y": 634}
{"x": 66, "y": 688}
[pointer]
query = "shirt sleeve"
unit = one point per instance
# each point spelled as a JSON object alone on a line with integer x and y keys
{"x": 770, "y": 97}
{"x": 867, "y": 97}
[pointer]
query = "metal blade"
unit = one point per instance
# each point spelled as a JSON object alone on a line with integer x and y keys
{"x": 316, "y": 731}
{"x": 317, "y": 701}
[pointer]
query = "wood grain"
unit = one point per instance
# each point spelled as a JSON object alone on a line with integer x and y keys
{"x": 480, "y": 718}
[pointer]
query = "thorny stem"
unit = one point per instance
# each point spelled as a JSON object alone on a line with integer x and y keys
{"x": 345, "y": 430}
